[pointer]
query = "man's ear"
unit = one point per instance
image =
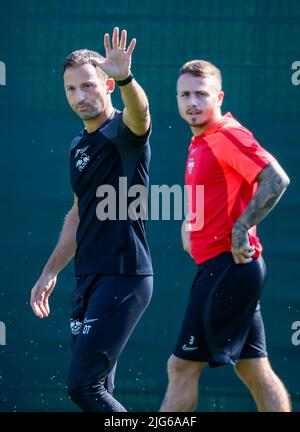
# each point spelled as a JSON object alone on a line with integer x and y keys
{"x": 220, "y": 97}
{"x": 110, "y": 85}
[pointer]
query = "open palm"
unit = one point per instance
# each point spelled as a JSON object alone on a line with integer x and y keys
{"x": 118, "y": 60}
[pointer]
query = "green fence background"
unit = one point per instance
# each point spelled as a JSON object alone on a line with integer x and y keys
{"x": 255, "y": 43}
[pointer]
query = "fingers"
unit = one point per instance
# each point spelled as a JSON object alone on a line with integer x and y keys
{"x": 39, "y": 298}
{"x": 35, "y": 292}
{"x": 107, "y": 45}
{"x": 244, "y": 255}
{"x": 131, "y": 46}
{"x": 115, "y": 41}
{"x": 40, "y": 308}
{"x": 46, "y": 306}
{"x": 37, "y": 310}
{"x": 239, "y": 259}
{"x": 123, "y": 39}
{"x": 47, "y": 295}
{"x": 115, "y": 38}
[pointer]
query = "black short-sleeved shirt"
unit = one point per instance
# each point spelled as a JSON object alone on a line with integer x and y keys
{"x": 101, "y": 158}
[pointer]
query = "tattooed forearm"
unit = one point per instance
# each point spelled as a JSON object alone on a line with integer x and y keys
{"x": 272, "y": 182}
{"x": 239, "y": 236}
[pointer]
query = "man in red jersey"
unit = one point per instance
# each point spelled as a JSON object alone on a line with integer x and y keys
{"x": 242, "y": 183}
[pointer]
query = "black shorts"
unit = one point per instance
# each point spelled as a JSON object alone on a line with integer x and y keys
{"x": 222, "y": 322}
{"x": 104, "y": 311}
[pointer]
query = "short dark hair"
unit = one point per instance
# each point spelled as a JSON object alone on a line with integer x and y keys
{"x": 201, "y": 68}
{"x": 81, "y": 57}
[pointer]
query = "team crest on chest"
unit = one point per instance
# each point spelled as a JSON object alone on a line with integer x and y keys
{"x": 83, "y": 158}
{"x": 190, "y": 165}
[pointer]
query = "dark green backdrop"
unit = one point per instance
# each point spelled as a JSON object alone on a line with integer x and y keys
{"x": 254, "y": 43}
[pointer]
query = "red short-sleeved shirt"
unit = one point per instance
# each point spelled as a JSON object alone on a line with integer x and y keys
{"x": 226, "y": 160}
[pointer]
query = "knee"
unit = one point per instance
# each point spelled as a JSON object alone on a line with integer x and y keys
{"x": 254, "y": 371}
{"x": 87, "y": 375}
{"x": 183, "y": 369}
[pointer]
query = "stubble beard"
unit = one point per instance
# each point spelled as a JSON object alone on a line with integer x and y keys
{"x": 89, "y": 115}
{"x": 199, "y": 125}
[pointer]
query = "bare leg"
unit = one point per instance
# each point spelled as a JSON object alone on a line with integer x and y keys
{"x": 182, "y": 391}
{"x": 266, "y": 388}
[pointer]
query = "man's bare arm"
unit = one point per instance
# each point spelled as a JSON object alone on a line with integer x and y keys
{"x": 61, "y": 255}
{"x": 136, "y": 113}
{"x": 272, "y": 183}
{"x": 66, "y": 246}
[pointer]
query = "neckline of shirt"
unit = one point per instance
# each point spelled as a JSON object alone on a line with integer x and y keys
{"x": 212, "y": 127}
{"x": 95, "y": 132}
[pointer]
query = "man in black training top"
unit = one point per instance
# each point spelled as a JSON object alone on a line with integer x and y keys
{"x": 112, "y": 260}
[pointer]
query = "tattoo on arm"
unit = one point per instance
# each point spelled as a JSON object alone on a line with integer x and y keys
{"x": 239, "y": 236}
{"x": 272, "y": 182}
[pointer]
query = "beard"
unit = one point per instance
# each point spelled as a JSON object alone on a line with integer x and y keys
{"x": 194, "y": 123}
{"x": 88, "y": 115}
